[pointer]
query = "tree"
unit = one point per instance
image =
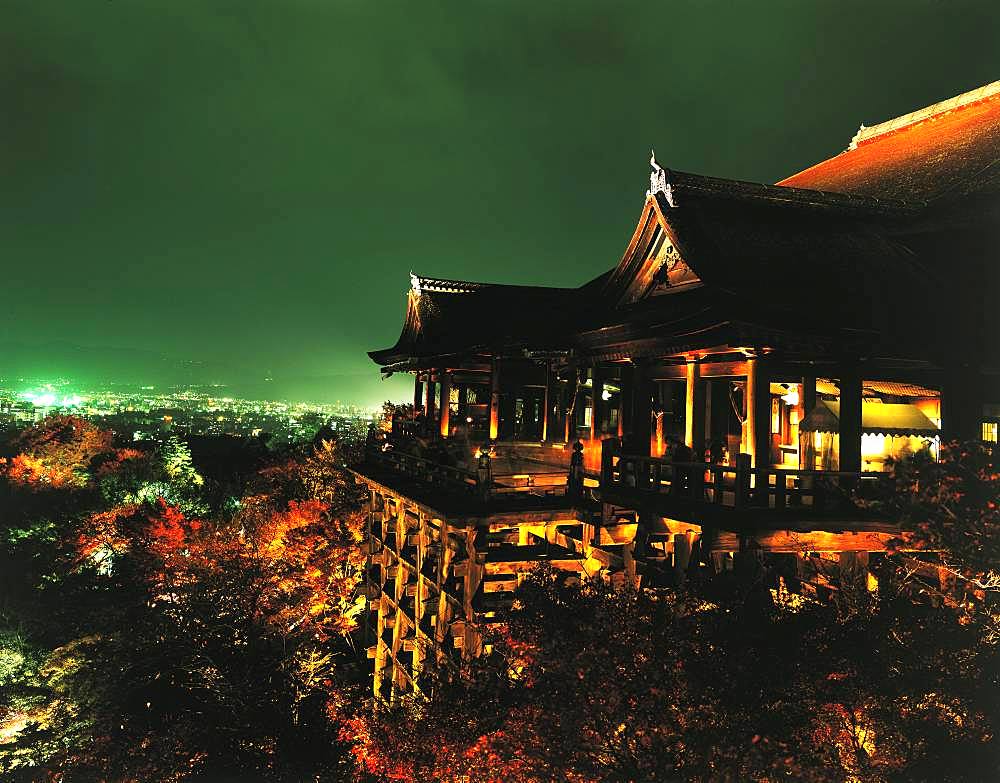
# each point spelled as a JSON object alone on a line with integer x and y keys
{"x": 169, "y": 645}
{"x": 177, "y": 464}
{"x": 950, "y": 508}
{"x": 57, "y": 452}
{"x": 586, "y": 683}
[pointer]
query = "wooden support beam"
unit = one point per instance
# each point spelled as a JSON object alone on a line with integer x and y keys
{"x": 429, "y": 398}
{"x": 641, "y": 420}
{"x": 662, "y": 371}
{"x": 418, "y": 392}
{"x": 694, "y": 410}
{"x": 682, "y": 555}
{"x": 547, "y": 401}
{"x": 808, "y": 399}
{"x": 850, "y": 419}
{"x": 758, "y": 412}
{"x": 445, "y": 403}
{"x": 808, "y": 541}
{"x": 494, "y": 398}
{"x": 962, "y": 403}
{"x": 626, "y": 400}
{"x": 597, "y": 403}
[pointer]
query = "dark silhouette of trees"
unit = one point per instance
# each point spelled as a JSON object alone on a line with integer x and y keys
{"x": 154, "y": 627}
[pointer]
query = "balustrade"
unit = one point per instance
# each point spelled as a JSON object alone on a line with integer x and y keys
{"x": 483, "y": 482}
{"x": 733, "y": 486}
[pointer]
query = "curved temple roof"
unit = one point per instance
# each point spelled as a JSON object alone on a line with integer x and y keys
{"x": 945, "y": 151}
{"x": 827, "y": 252}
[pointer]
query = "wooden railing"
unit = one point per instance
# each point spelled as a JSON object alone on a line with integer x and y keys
{"x": 482, "y": 483}
{"x": 733, "y": 486}
{"x": 445, "y": 476}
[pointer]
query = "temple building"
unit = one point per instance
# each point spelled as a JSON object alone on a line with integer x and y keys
{"x": 756, "y": 355}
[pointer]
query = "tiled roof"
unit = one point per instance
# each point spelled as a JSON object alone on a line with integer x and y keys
{"x": 899, "y": 389}
{"x": 944, "y": 151}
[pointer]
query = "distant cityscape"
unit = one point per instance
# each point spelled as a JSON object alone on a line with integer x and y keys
{"x": 147, "y": 412}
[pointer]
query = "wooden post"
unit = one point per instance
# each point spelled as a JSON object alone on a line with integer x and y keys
{"x": 429, "y": 398}
{"x": 808, "y": 401}
{"x": 494, "y": 398}
{"x": 574, "y": 482}
{"x": 626, "y": 400}
{"x": 547, "y": 401}
{"x": 742, "y": 488}
{"x": 610, "y": 448}
{"x": 962, "y": 403}
{"x": 682, "y": 556}
{"x": 418, "y": 392}
{"x": 642, "y": 410}
{"x": 850, "y": 419}
{"x": 597, "y": 402}
{"x": 758, "y": 410}
{"x": 445, "y": 402}
{"x": 694, "y": 410}
{"x": 706, "y": 392}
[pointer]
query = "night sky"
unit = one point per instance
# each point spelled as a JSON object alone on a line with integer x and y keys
{"x": 247, "y": 183}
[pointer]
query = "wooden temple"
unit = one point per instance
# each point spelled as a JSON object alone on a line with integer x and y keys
{"x": 755, "y": 356}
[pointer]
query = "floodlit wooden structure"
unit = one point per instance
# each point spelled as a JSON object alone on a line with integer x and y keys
{"x": 754, "y": 356}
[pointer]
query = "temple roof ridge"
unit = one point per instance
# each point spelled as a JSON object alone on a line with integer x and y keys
{"x": 682, "y": 181}
{"x": 868, "y": 133}
{"x": 421, "y": 284}
{"x": 946, "y": 152}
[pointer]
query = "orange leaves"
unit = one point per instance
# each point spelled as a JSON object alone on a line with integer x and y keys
{"x": 103, "y": 535}
{"x": 64, "y": 452}
{"x": 36, "y": 473}
{"x": 168, "y": 530}
{"x": 57, "y": 453}
{"x": 119, "y": 459}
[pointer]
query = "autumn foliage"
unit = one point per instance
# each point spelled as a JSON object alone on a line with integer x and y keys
{"x": 158, "y": 625}
{"x": 56, "y": 453}
{"x": 185, "y": 640}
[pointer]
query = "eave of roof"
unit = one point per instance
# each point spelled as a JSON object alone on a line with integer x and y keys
{"x": 876, "y": 419}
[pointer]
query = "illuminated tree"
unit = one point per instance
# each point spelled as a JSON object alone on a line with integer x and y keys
{"x": 950, "y": 508}
{"x": 177, "y": 463}
{"x": 585, "y": 683}
{"x": 57, "y": 452}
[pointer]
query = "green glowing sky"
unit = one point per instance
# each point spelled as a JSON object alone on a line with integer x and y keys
{"x": 245, "y": 184}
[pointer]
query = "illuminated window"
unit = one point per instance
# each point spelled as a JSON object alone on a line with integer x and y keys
{"x": 991, "y": 430}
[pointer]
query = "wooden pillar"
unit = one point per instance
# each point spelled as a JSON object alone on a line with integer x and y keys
{"x": 850, "y": 419}
{"x": 547, "y": 401}
{"x": 642, "y": 410}
{"x": 597, "y": 403}
{"x": 418, "y": 392}
{"x": 758, "y": 412}
{"x": 694, "y": 410}
{"x": 445, "y": 402}
{"x": 717, "y": 427}
{"x": 808, "y": 400}
{"x": 568, "y": 402}
{"x": 494, "y": 398}
{"x": 962, "y": 404}
{"x": 429, "y": 398}
{"x": 682, "y": 556}
{"x": 626, "y": 400}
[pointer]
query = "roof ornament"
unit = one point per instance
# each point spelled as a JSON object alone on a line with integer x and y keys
{"x": 859, "y": 136}
{"x": 658, "y": 181}
{"x": 414, "y": 283}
